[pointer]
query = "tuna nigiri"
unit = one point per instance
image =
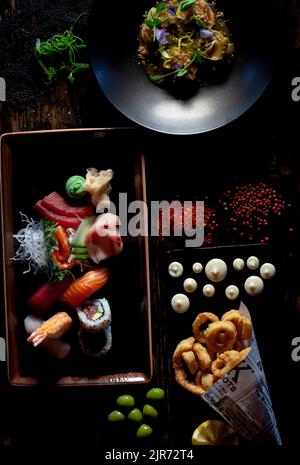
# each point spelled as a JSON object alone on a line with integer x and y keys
{"x": 103, "y": 239}
{"x": 82, "y": 288}
{"x": 46, "y": 295}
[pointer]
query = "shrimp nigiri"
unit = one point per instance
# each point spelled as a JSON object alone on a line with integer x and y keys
{"x": 84, "y": 287}
{"x": 53, "y": 328}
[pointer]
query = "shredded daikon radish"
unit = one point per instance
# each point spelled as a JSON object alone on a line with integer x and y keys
{"x": 32, "y": 247}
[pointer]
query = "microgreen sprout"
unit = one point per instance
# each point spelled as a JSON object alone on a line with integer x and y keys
{"x": 63, "y": 48}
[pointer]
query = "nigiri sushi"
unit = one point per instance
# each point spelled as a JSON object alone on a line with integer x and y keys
{"x": 57, "y": 348}
{"x": 82, "y": 288}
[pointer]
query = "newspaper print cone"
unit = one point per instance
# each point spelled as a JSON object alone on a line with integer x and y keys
{"x": 242, "y": 398}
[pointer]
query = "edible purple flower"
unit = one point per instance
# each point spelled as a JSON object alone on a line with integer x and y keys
{"x": 205, "y": 33}
{"x": 177, "y": 66}
{"x": 172, "y": 11}
{"x": 161, "y": 36}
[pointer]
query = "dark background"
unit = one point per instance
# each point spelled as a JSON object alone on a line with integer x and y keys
{"x": 261, "y": 143}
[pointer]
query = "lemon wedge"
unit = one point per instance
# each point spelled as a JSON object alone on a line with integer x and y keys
{"x": 213, "y": 433}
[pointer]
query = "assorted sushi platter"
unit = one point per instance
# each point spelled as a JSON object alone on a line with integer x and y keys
{"x": 69, "y": 274}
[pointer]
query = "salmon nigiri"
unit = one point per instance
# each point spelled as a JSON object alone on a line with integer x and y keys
{"x": 84, "y": 287}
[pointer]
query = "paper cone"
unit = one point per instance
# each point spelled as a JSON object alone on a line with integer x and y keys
{"x": 242, "y": 398}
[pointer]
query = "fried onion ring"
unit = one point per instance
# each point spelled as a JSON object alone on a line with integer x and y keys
{"x": 180, "y": 374}
{"x": 244, "y": 329}
{"x": 220, "y": 336}
{"x": 244, "y": 353}
{"x": 198, "y": 377}
{"x": 201, "y": 320}
{"x": 225, "y": 362}
{"x": 190, "y": 361}
{"x": 207, "y": 380}
{"x": 204, "y": 359}
{"x": 242, "y": 323}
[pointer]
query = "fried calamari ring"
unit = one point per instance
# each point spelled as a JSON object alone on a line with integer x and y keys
{"x": 242, "y": 323}
{"x": 207, "y": 380}
{"x": 190, "y": 361}
{"x": 244, "y": 330}
{"x": 225, "y": 362}
{"x": 201, "y": 320}
{"x": 244, "y": 353}
{"x": 220, "y": 336}
{"x": 233, "y": 316}
{"x": 198, "y": 378}
{"x": 180, "y": 373}
{"x": 203, "y": 357}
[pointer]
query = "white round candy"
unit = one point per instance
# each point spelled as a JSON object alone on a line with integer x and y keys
{"x": 197, "y": 267}
{"x": 253, "y": 263}
{"x": 232, "y": 292}
{"x": 267, "y": 271}
{"x": 190, "y": 285}
{"x": 216, "y": 270}
{"x": 238, "y": 264}
{"x": 175, "y": 269}
{"x": 180, "y": 303}
{"x": 254, "y": 285}
{"x": 208, "y": 290}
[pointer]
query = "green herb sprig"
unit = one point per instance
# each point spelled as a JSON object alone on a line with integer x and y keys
{"x": 62, "y": 49}
{"x": 186, "y": 4}
{"x": 55, "y": 274}
{"x": 197, "y": 59}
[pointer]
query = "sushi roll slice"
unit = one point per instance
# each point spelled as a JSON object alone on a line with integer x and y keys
{"x": 94, "y": 315}
{"x": 95, "y": 344}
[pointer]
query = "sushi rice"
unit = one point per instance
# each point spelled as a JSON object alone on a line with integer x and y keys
{"x": 94, "y": 315}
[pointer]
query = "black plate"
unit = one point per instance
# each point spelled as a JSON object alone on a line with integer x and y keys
{"x": 113, "y": 44}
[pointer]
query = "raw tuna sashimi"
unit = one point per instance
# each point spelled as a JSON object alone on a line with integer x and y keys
{"x": 47, "y": 295}
{"x": 103, "y": 239}
{"x": 58, "y": 205}
{"x": 65, "y": 221}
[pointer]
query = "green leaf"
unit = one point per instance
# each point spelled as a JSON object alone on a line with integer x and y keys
{"x": 199, "y": 22}
{"x": 187, "y": 4}
{"x": 198, "y": 58}
{"x": 181, "y": 72}
{"x": 160, "y": 7}
{"x": 154, "y": 22}
{"x": 156, "y": 77}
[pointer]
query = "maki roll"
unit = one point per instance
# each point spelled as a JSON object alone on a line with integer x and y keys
{"x": 94, "y": 315}
{"x": 95, "y": 344}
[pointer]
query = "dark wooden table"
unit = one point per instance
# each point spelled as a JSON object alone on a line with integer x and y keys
{"x": 66, "y": 417}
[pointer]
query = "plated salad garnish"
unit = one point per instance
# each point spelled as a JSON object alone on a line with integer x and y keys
{"x": 183, "y": 40}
